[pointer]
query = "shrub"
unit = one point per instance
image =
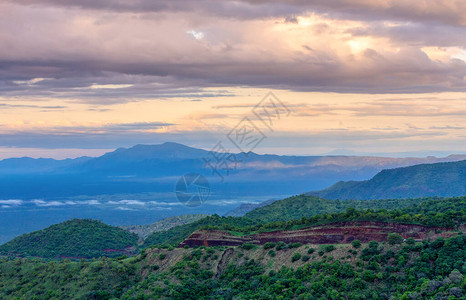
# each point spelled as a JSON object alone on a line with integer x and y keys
{"x": 373, "y": 244}
{"x": 269, "y": 245}
{"x": 296, "y": 256}
{"x": 354, "y": 252}
{"x": 162, "y": 256}
{"x": 272, "y": 253}
{"x": 329, "y": 248}
{"x": 410, "y": 241}
{"x": 248, "y": 246}
{"x": 356, "y": 243}
{"x": 155, "y": 267}
{"x": 311, "y": 250}
{"x": 294, "y": 245}
{"x": 305, "y": 258}
{"x": 281, "y": 246}
{"x": 390, "y": 254}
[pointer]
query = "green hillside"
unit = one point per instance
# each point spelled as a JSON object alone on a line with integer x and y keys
{"x": 429, "y": 270}
{"x": 425, "y": 270}
{"x": 64, "y": 279}
{"x": 427, "y": 180}
{"x": 305, "y": 206}
{"x": 74, "y": 238}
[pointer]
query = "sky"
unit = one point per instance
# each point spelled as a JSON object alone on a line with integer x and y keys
{"x": 379, "y": 77}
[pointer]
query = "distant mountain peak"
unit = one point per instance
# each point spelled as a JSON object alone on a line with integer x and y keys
{"x": 163, "y": 145}
{"x": 167, "y": 150}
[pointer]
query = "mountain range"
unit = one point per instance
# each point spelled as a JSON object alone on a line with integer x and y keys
{"x": 424, "y": 180}
{"x": 149, "y": 168}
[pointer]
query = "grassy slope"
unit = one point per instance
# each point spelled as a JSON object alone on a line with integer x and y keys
{"x": 74, "y": 238}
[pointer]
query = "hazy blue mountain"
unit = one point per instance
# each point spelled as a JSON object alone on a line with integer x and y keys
{"x": 156, "y": 168}
{"x": 425, "y": 180}
{"x": 27, "y": 165}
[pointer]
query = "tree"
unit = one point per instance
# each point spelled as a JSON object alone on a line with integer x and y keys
{"x": 394, "y": 238}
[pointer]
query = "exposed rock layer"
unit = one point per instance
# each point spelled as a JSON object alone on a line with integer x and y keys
{"x": 326, "y": 234}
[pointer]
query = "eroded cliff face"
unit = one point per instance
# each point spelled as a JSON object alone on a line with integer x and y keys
{"x": 326, "y": 234}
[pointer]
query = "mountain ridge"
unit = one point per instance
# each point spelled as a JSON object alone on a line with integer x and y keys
{"x": 445, "y": 179}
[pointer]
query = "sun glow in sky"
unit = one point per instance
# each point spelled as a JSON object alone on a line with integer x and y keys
{"x": 369, "y": 77}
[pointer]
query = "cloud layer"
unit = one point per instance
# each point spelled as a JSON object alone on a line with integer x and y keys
{"x": 115, "y": 51}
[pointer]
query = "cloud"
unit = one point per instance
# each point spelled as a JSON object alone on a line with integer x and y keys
{"x": 385, "y": 107}
{"x": 444, "y": 11}
{"x": 15, "y": 106}
{"x": 157, "y": 203}
{"x": 91, "y": 202}
{"x": 447, "y": 127}
{"x": 141, "y": 50}
{"x": 11, "y": 202}
{"x": 42, "y": 203}
{"x": 127, "y": 202}
{"x": 125, "y": 208}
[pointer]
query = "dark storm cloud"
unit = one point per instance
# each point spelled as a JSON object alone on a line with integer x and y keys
{"x": 443, "y": 11}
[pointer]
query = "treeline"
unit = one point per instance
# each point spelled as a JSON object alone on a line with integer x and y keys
{"x": 428, "y": 211}
{"x": 436, "y": 214}
{"x": 300, "y": 206}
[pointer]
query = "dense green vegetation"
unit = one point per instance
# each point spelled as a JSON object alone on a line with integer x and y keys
{"x": 38, "y": 279}
{"x": 428, "y": 270}
{"x": 439, "y": 179}
{"x": 75, "y": 238}
{"x": 305, "y": 206}
{"x": 300, "y": 212}
{"x": 447, "y": 213}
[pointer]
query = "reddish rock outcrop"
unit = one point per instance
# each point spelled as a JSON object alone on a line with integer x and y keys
{"x": 326, "y": 234}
